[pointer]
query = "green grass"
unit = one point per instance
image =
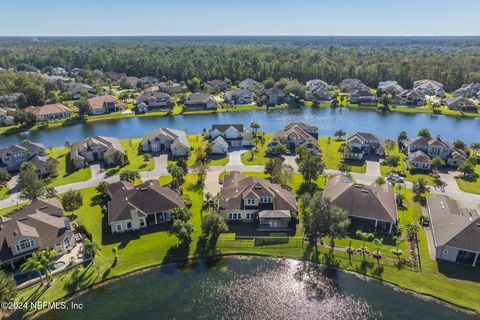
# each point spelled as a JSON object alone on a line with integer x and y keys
{"x": 4, "y": 192}
{"x": 259, "y": 157}
{"x": 196, "y": 141}
{"x": 135, "y": 158}
{"x": 66, "y": 173}
{"x": 471, "y": 186}
{"x": 333, "y": 157}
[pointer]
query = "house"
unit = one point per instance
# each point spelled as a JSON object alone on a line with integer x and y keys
{"x": 154, "y": 101}
{"x": 245, "y": 198}
{"x": 274, "y": 96}
{"x": 455, "y": 231}
{"x": 9, "y": 100}
{"x": 172, "y": 87}
{"x": 74, "y": 72}
{"x": 40, "y": 163}
{"x": 77, "y": 89}
{"x": 166, "y": 139}
{"x": 58, "y": 71}
{"x": 360, "y": 143}
{"x": 433, "y": 147}
{"x": 219, "y": 145}
{"x": 385, "y": 86}
{"x": 316, "y": 84}
{"x": 200, "y": 101}
{"x": 6, "y": 116}
{"x": 50, "y": 111}
{"x": 137, "y": 207}
{"x": 105, "y": 103}
{"x": 12, "y": 157}
{"x": 409, "y": 98}
{"x": 471, "y": 90}
{"x": 461, "y": 104}
{"x": 147, "y": 81}
{"x": 36, "y": 226}
{"x": 370, "y": 208}
{"x": 248, "y": 84}
{"x": 296, "y": 135}
{"x": 234, "y": 134}
{"x": 216, "y": 86}
{"x": 96, "y": 148}
{"x": 115, "y": 76}
{"x": 363, "y": 97}
{"x": 239, "y": 96}
{"x": 419, "y": 160}
{"x": 429, "y": 87}
{"x": 350, "y": 85}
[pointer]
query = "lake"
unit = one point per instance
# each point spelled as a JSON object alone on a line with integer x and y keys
{"x": 387, "y": 125}
{"x": 252, "y": 288}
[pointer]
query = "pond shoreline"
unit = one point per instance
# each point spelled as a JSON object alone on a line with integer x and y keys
{"x": 239, "y": 255}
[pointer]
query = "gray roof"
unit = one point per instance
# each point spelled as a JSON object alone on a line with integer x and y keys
{"x": 301, "y": 130}
{"x": 428, "y": 141}
{"x": 154, "y": 94}
{"x": 453, "y": 226}
{"x": 22, "y": 147}
{"x": 220, "y": 140}
{"x": 247, "y": 83}
{"x": 363, "y": 137}
{"x": 371, "y": 202}
{"x": 110, "y": 145}
{"x": 274, "y": 214}
{"x": 419, "y": 156}
{"x": 146, "y": 198}
{"x": 178, "y": 136}
{"x": 196, "y": 98}
{"x": 224, "y": 127}
{"x": 459, "y": 100}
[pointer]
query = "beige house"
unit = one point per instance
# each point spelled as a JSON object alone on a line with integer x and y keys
{"x": 105, "y": 103}
{"x": 50, "y": 111}
{"x": 96, "y": 148}
{"x": 12, "y": 157}
{"x": 166, "y": 139}
{"x": 295, "y": 135}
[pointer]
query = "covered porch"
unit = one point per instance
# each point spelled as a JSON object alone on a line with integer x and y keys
{"x": 274, "y": 220}
{"x": 158, "y": 218}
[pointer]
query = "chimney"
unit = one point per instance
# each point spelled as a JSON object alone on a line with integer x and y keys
{"x": 68, "y": 225}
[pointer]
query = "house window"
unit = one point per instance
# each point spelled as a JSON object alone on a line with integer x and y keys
{"x": 24, "y": 244}
{"x": 142, "y": 223}
{"x": 250, "y": 201}
{"x": 249, "y": 216}
{"x": 129, "y": 224}
{"x": 118, "y": 227}
{"x": 166, "y": 215}
{"x": 66, "y": 242}
{"x": 265, "y": 200}
{"x": 234, "y": 216}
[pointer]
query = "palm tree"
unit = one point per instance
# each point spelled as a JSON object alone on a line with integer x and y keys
{"x": 437, "y": 162}
{"x": 47, "y": 262}
{"x": 398, "y": 240}
{"x": 380, "y": 181}
{"x": 378, "y": 242}
{"x": 255, "y": 126}
{"x": 34, "y": 263}
{"x": 91, "y": 248}
{"x": 364, "y": 237}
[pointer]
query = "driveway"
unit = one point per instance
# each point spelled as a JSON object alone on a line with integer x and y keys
{"x": 12, "y": 183}
{"x": 235, "y": 157}
{"x": 448, "y": 177}
{"x": 290, "y": 160}
{"x": 373, "y": 167}
{"x": 161, "y": 162}
{"x": 212, "y": 185}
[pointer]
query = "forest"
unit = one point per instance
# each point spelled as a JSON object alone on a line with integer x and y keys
{"x": 452, "y": 61}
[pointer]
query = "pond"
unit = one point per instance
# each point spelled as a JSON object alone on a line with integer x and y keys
{"x": 252, "y": 288}
{"x": 387, "y": 125}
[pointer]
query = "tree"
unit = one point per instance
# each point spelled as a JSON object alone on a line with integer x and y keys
{"x": 255, "y": 126}
{"x": 201, "y": 170}
{"x": 30, "y": 185}
{"x": 420, "y": 187}
{"x": 380, "y": 181}
{"x": 378, "y": 242}
{"x": 437, "y": 162}
{"x": 398, "y": 241}
{"x": 91, "y": 248}
{"x": 51, "y": 165}
{"x": 389, "y": 145}
{"x": 50, "y": 192}
{"x": 340, "y": 133}
{"x": 182, "y": 230}
{"x": 364, "y": 237}
{"x": 8, "y": 287}
{"x": 392, "y": 160}
{"x": 400, "y": 197}
{"x": 72, "y": 200}
{"x": 129, "y": 175}
{"x": 459, "y": 144}
{"x": 424, "y": 133}
{"x": 23, "y": 117}
{"x": 274, "y": 169}
{"x": 178, "y": 174}
{"x": 402, "y": 137}
{"x": 4, "y": 176}
{"x": 467, "y": 169}
{"x": 34, "y": 263}
{"x": 102, "y": 188}
{"x": 344, "y": 167}
{"x": 83, "y": 106}
{"x": 311, "y": 166}
{"x": 321, "y": 218}
{"x": 213, "y": 224}
{"x": 412, "y": 231}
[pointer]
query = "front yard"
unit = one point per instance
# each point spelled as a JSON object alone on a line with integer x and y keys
{"x": 470, "y": 185}
{"x": 66, "y": 173}
{"x": 136, "y": 158}
{"x": 333, "y": 156}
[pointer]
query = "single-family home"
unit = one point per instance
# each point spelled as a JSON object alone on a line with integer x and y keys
{"x": 358, "y": 144}
{"x": 239, "y": 96}
{"x": 363, "y": 97}
{"x": 172, "y": 87}
{"x": 429, "y": 87}
{"x": 370, "y": 208}
{"x": 295, "y": 135}
{"x": 419, "y": 160}
{"x": 50, "y": 111}
{"x": 234, "y": 134}
{"x": 97, "y": 148}
{"x": 455, "y": 230}
{"x": 36, "y": 226}
{"x": 12, "y": 157}
{"x": 6, "y": 116}
{"x": 105, "y": 103}
{"x": 58, "y": 71}
{"x": 409, "y": 98}
{"x": 461, "y": 104}
{"x": 245, "y": 199}
{"x": 114, "y": 76}
{"x": 386, "y": 86}
{"x": 350, "y": 85}
{"x": 433, "y": 147}
{"x": 216, "y": 86}
{"x": 154, "y": 101}
{"x": 166, "y": 140}
{"x": 219, "y": 145}
{"x": 248, "y": 84}
{"x": 471, "y": 90}
{"x": 200, "y": 101}
{"x": 74, "y": 72}
{"x": 133, "y": 207}
{"x": 9, "y": 100}
{"x": 77, "y": 89}
{"x": 148, "y": 81}
{"x": 274, "y": 96}
{"x": 40, "y": 163}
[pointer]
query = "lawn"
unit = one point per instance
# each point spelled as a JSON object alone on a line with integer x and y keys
{"x": 4, "y": 192}
{"x": 66, "y": 173}
{"x": 332, "y": 156}
{"x": 135, "y": 158}
{"x": 259, "y": 157}
{"x": 473, "y": 185}
{"x": 196, "y": 141}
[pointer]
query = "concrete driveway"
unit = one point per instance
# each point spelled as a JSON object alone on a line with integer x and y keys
{"x": 12, "y": 183}
{"x": 291, "y": 161}
{"x": 235, "y": 157}
{"x": 161, "y": 162}
{"x": 448, "y": 177}
{"x": 212, "y": 185}
{"x": 373, "y": 167}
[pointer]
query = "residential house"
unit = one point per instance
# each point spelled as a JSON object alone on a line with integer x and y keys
{"x": 74, "y": 72}
{"x": 9, "y": 100}
{"x": 166, "y": 139}
{"x": 433, "y": 147}
{"x": 200, "y": 101}
{"x": 172, "y": 87}
{"x": 419, "y": 160}
{"x": 385, "y": 86}
{"x": 296, "y": 135}
{"x": 129, "y": 82}
{"x": 219, "y": 145}
{"x": 105, "y": 103}
{"x": 115, "y": 76}
{"x": 274, "y": 96}
{"x": 50, "y": 111}
{"x": 77, "y": 89}
{"x": 429, "y": 87}
{"x": 359, "y": 144}
{"x": 318, "y": 90}
{"x": 460, "y": 103}
{"x": 96, "y": 148}
{"x": 455, "y": 230}
{"x": 154, "y": 101}
{"x": 216, "y": 86}
{"x": 363, "y": 97}
{"x": 471, "y": 90}
{"x": 12, "y": 157}
{"x": 245, "y": 198}
{"x": 409, "y": 98}
{"x": 6, "y": 116}
{"x": 36, "y": 226}
{"x": 239, "y": 96}
{"x": 370, "y": 208}
{"x": 40, "y": 163}
{"x": 248, "y": 84}
{"x": 132, "y": 208}
{"x": 58, "y": 71}
{"x": 148, "y": 81}
{"x": 234, "y": 134}
{"x": 350, "y": 85}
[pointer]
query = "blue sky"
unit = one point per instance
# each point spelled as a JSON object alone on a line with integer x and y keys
{"x": 239, "y": 17}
